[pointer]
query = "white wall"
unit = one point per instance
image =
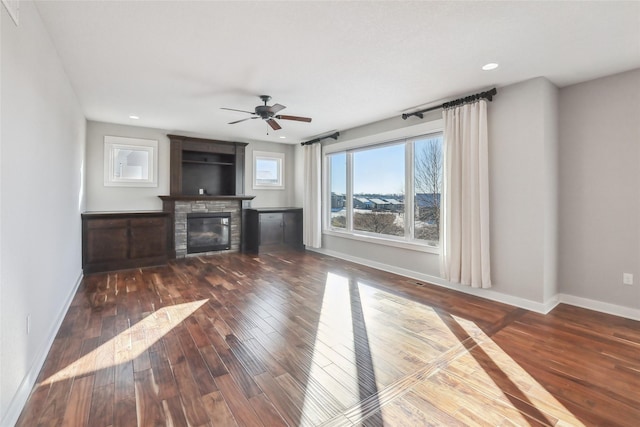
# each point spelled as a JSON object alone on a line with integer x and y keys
{"x": 523, "y": 142}
{"x": 41, "y": 165}
{"x": 101, "y": 198}
{"x": 550, "y": 173}
{"x": 272, "y": 198}
{"x": 523, "y": 181}
{"x": 600, "y": 189}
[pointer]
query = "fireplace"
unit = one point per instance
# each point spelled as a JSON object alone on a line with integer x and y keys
{"x": 208, "y": 232}
{"x": 179, "y": 207}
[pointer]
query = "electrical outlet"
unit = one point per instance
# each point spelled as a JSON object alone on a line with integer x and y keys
{"x": 627, "y": 278}
{"x": 28, "y": 324}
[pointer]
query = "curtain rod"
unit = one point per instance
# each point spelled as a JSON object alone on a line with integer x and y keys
{"x": 313, "y": 141}
{"x": 488, "y": 95}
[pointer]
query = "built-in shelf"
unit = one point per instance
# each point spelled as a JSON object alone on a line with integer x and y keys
{"x": 198, "y": 162}
{"x": 206, "y": 165}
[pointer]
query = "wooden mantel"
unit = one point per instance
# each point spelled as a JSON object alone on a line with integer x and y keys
{"x": 205, "y": 197}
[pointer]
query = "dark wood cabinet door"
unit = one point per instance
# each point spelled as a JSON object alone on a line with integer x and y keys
{"x": 293, "y": 229}
{"x": 107, "y": 244}
{"x": 148, "y": 238}
{"x": 271, "y": 229}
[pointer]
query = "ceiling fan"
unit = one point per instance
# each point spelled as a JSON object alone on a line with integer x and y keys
{"x": 268, "y": 114}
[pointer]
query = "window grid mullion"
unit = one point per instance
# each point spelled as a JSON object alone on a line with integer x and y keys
{"x": 409, "y": 190}
{"x": 349, "y": 201}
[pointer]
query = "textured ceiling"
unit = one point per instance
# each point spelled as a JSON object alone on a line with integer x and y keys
{"x": 175, "y": 63}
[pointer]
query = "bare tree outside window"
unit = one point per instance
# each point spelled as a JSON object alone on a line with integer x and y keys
{"x": 377, "y": 222}
{"x": 428, "y": 189}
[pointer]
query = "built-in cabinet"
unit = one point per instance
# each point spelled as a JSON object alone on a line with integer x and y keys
{"x": 114, "y": 241}
{"x": 206, "y": 167}
{"x": 271, "y": 229}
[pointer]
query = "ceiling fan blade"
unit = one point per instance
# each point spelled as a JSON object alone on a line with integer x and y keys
{"x": 242, "y": 120}
{"x": 296, "y": 118}
{"x": 233, "y": 109}
{"x": 276, "y": 107}
{"x": 274, "y": 125}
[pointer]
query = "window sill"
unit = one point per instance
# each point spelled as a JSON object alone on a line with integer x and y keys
{"x": 414, "y": 246}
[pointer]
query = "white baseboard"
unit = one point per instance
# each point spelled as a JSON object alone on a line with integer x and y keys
{"x": 24, "y": 390}
{"x": 489, "y": 294}
{"x": 538, "y": 307}
{"x": 604, "y": 307}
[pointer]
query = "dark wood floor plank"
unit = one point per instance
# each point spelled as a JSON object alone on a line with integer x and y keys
{"x": 102, "y": 406}
{"x": 196, "y": 364}
{"x": 300, "y": 338}
{"x": 77, "y": 410}
{"x": 190, "y": 395}
{"x": 266, "y": 412}
{"x": 37, "y": 401}
{"x": 240, "y": 407}
{"x": 213, "y": 361}
{"x": 125, "y": 398}
{"x": 174, "y": 412}
{"x": 55, "y": 405}
{"x": 244, "y": 379}
{"x": 163, "y": 375}
{"x": 218, "y": 410}
{"x": 148, "y": 405}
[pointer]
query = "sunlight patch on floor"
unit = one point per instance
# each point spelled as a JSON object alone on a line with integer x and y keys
{"x": 480, "y": 372}
{"x": 130, "y": 343}
{"x": 334, "y": 328}
{"x": 525, "y": 388}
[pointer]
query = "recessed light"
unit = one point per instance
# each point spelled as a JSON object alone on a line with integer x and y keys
{"x": 282, "y": 137}
{"x": 490, "y": 66}
{"x": 134, "y": 117}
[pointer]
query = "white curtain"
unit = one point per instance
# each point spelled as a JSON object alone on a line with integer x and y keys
{"x": 312, "y": 216}
{"x": 465, "y": 217}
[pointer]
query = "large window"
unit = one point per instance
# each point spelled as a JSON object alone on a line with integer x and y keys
{"x": 392, "y": 191}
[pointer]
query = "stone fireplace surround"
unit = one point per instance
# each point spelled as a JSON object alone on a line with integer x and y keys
{"x": 179, "y": 206}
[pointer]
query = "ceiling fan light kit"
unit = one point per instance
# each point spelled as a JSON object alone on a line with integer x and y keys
{"x": 268, "y": 114}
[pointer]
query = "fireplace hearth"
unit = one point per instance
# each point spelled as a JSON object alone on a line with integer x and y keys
{"x": 207, "y": 232}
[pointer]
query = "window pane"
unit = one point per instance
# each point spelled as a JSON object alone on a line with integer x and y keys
{"x": 428, "y": 188}
{"x": 338, "y": 186}
{"x": 378, "y": 190}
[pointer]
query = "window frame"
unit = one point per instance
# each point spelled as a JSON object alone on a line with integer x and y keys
{"x": 279, "y": 159}
{"x": 407, "y": 241}
{"x": 148, "y": 146}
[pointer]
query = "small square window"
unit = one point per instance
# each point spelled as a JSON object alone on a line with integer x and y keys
{"x": 268, "y": 171}
{"x": 130, "y": 162}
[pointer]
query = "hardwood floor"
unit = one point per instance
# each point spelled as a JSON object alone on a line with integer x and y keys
{"x": 303, "y": 339}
